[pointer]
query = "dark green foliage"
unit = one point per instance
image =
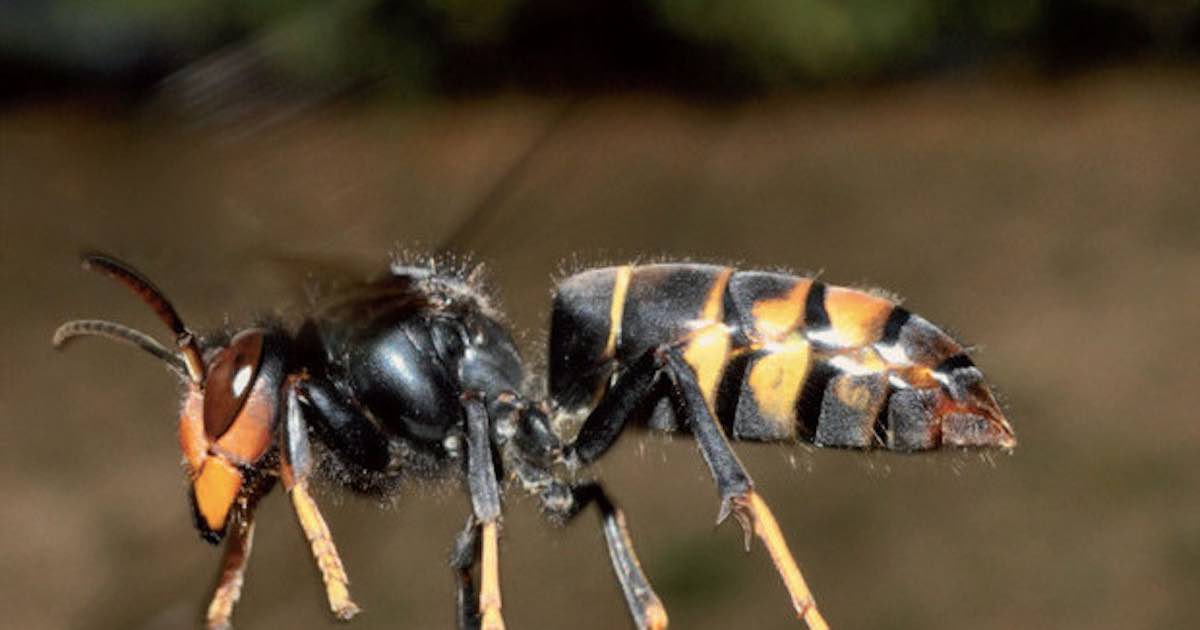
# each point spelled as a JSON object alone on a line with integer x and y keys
{"x": 419, "y": 46}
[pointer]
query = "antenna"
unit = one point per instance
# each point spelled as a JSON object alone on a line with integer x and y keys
{"x": 144, "y": 289}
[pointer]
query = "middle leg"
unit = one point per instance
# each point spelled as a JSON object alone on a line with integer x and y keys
{"x": 462, "y": 560}
{"x": 485, "y": 504}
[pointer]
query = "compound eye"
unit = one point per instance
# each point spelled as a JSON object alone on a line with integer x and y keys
{"x": 230, "y": 377}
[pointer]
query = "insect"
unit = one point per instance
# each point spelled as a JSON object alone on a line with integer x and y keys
{"x": 414, "y": 374}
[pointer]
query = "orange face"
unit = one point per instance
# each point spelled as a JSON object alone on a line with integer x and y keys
{"x": 227, "y": 427}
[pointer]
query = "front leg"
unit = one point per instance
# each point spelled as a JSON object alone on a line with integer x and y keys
{"x": 238, "y": 543}
{"x": 295, "y": 471}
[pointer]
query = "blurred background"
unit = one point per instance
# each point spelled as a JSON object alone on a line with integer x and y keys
{"x": 1026, "y": 173}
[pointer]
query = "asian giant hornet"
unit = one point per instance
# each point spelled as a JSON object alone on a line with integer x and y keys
{"x": 414, "y": 374}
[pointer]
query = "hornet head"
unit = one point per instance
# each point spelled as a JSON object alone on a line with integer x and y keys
{"x": 227, "y": 427}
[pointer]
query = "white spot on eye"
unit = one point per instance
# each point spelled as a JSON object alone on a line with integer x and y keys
{"x": 241, "y": 380}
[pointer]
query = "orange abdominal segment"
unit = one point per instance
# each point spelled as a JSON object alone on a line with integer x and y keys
{"x": 857, "y": 317}
{"x": 707, "y": 351}
{"x": 775, "y": 318}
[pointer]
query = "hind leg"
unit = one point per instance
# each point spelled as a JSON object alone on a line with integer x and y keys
{"x": 566, "y": 503}
{"x": 644, "y": 605}
{"x": 734, "y": 484}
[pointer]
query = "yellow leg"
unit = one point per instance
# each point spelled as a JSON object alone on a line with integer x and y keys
{"x": 324, "y": 552}
{"x": 755, "y": 510}
{"x": 233, "y": 570}
{"x": 489, "y": 590}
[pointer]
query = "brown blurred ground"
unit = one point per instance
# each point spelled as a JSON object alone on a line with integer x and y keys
{"x": 1057, "y": 226}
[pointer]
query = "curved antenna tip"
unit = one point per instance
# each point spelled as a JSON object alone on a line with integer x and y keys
{"x": 118, "y": 332}
{"x": 88, "y": 260}
{"x": 62, "y": 335}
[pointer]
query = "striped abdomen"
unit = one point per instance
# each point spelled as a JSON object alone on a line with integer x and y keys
{"x": 778, "y": 357}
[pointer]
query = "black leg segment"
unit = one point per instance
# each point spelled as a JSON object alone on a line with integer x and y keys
{"x": 606, "y": 421}
{"x": 727, "y": 471}
{"x": 481, "y": 470}
{"x": 462, "y": 560}
{"x": 340, "y": 425}
{"x": 485, "y": 503}
{"x": 644, "y": 605}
